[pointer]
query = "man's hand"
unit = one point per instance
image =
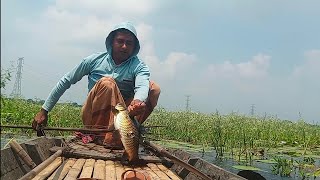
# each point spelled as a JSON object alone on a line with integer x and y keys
{"x": 41, "y": 118}
{"x": 136, "y": 107}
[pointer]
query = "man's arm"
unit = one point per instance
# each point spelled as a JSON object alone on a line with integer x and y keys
{"x": 142, "y": 79}
{"x": 64, "y": 83}
{"x": 141, "y": 90}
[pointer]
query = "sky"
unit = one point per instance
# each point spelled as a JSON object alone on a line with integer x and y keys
{"x": 225, "y": 56}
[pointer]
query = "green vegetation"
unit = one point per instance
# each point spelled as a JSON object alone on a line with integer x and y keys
{"x": 247, "y": 139}
{"x": 5, "y": 78}
{"x": 234, "y": 132}
{"x": 22, "y": 112}
{"x": 243, "y": 138}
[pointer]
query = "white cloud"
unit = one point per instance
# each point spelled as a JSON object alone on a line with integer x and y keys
{"x": 68, "y": 30}
{"x": 64, "y": 27}
{"x": 145, "y": 34}
{"x": 177, "y": 65}
{"x": 256, "y": 68}
{"x": 310, "y": 67}
{"x": 108, "y": 7}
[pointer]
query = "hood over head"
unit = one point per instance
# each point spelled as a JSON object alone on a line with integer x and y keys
{"x": 124, "y": 25}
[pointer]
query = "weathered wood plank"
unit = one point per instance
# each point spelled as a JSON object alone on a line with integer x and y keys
{"x": 213, "y": 171}
{"x": 184, "y": 171}
{"x": 42, "y": 166}
{"x": 168, "y": 172}
{"x": 12, "y": 167}
{"x": 90, "y": 154}
{"x": 177, "y": 168}
{"x": 38, "y": 148}
{"x": 61, "y": 173}
{"x": 87, "y": 168}
{"x": 49, "y": 169}
{"x": 119, "y": 169}
{"x": 76, "y": 169}
{"x": 99, "y": 169}
{"x": 110, "y": 170}
{"x": 153, "y": 175}
{"x": 156, "y": 170}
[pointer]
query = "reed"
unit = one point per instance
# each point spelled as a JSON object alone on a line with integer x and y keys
{"x": 233, "y": 133}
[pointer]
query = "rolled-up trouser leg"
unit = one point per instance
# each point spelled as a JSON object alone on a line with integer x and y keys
{"x": 97, "y": 110}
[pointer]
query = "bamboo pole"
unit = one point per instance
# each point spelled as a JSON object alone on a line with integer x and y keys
{"x": 45, "y": 173}
{"x": 41, "y": 166}
{"x": 60, "y": 128}
{"x": 22, "y": 153}
{"x": 176, "y": 159}
{"x": 84, "y": 130}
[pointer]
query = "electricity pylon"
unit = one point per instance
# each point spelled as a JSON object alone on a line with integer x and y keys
{"x": 16, "y": 92}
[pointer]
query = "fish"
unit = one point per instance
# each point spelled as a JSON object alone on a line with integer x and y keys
{"x": 129, "y": 132}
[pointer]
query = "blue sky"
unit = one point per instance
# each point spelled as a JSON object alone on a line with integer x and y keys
{"x": 227, "y": 55}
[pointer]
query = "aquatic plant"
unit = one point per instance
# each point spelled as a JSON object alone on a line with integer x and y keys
{"x": 283, "y": 166}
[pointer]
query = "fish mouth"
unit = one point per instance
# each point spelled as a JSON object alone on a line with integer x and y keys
{"x": 120, "y": 107}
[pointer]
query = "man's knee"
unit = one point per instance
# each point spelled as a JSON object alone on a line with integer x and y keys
{"x": 106, "y": 82}
{"x": 155, "y": 88}
{"x": 154, "y": 93}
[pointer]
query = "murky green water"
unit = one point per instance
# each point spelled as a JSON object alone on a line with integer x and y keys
{"x": 5, "y": 138}
{"x": 208, "y": 154}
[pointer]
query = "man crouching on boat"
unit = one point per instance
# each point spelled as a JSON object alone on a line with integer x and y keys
{"x": 115, "y": 76}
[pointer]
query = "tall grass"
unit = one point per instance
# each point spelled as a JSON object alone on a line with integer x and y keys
{"x": 224, "y": 132}
{"x": 234, "y": 133}
{"x": 231, "y": 129}
{"x": 22, "y": 112}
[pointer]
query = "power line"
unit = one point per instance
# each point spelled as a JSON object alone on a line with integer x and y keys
{"x": 16, "y": 92}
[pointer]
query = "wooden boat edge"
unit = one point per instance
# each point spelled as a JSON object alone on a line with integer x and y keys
{"x": 12, "y": 167}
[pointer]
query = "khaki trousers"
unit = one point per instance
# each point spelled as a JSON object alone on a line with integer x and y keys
{"x": 97, "y": 110}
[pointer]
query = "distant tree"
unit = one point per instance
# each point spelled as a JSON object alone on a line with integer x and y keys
{"x": 5, "y": 78}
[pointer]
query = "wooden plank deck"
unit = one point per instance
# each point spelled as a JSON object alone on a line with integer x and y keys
{"x": 71, "y": 169}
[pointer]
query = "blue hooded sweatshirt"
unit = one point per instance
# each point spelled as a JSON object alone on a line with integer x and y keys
{"x": 132, "y": 76}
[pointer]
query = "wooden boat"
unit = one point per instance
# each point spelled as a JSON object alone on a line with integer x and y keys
{"x": 57, "y": 158}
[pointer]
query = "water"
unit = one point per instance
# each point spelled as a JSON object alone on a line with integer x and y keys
{"x": 5, "y": 138}
{"x": 266, "y": 168}
{"x": 228, "y": 163}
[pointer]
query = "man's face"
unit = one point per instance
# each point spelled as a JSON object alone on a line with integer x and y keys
{"x": 122, "y": 46}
